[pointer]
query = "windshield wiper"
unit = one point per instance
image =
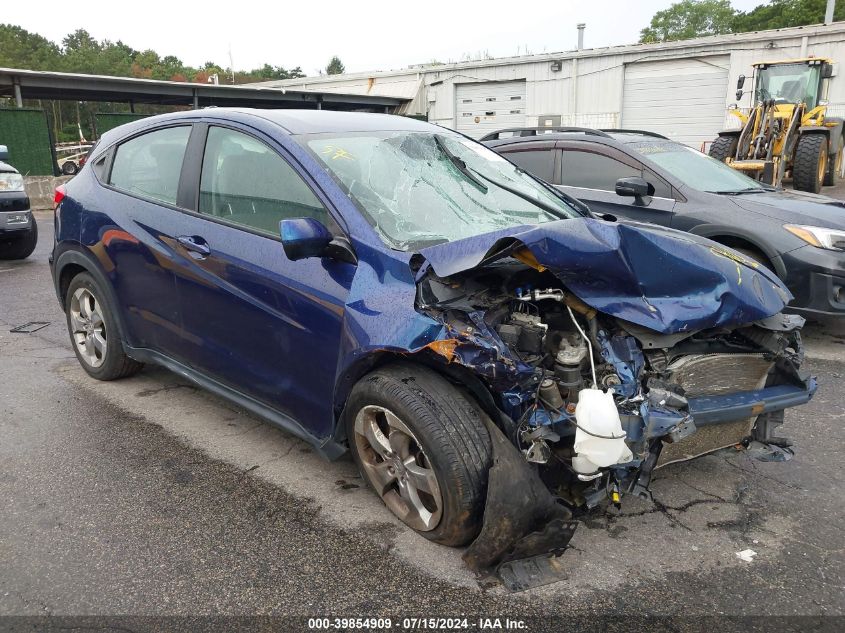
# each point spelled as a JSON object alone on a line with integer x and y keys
{"x": 459, "y": 163}
{"x": 739, "y": 192}
{"x": 528, "y": 198}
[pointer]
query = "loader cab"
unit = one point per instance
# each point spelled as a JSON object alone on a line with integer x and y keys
{"x": 793, "y": 82}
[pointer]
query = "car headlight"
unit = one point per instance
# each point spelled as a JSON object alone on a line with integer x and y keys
{"x": 832, "y": 239}
{"x": 11, "y": 182}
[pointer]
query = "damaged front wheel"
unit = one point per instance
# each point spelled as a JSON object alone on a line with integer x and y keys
{"x": 423, "y": 446}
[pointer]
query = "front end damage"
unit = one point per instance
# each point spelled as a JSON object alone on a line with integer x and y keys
{"x": 602, "y": 376}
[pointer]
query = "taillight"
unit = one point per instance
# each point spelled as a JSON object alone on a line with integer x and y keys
{"x": 60, "y": 195}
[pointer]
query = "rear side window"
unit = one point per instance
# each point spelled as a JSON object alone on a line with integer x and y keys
{"x": 538, "y": 162}
{"x": 149, "y": 165}
{"x": 246, "y": 182}
{"x": 589, "y": 170}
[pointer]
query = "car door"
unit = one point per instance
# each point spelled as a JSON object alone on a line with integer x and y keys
{"x": 589, "y": 171}
{"x": 130, "y": 230}
{"x": 254, "y": 320}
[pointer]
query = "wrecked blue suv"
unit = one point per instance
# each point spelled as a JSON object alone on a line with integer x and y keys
{"x": 493, "y": 356}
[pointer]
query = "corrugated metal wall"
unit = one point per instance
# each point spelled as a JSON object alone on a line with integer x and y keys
{"x": 27, "y": 135}
{"x": 595, "y": 99}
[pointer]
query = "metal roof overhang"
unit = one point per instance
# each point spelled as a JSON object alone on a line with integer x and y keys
{"x": 35, "y": 84}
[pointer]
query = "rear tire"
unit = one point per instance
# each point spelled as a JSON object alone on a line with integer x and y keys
{"x": 93, "y": 331}
{"x": 20, "y": 246}
{"x": 406, "y": 408}
{"x": 834, "y": 165}
{"x": 69, "y": 168}
{"x": 809, "y": 169}
{"x": 723, "y": 148}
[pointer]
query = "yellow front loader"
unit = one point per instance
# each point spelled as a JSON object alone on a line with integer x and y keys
{"x": 786, "y": 133}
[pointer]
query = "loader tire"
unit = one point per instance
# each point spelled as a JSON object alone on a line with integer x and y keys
{"x": 723, "y": 148}
{"x": 809, "y": 168}
{"x": 426, "y": 423}
{"x": 834, "y": 166}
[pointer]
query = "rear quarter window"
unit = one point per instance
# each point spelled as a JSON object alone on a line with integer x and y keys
{"x": 150, "y": 165}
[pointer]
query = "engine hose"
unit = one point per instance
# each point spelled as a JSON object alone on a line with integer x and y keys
{"x": 589, "y": 346}
{"x": 574, "y": 423}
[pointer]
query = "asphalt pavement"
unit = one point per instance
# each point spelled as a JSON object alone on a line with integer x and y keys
{"x": 149, "y": 497}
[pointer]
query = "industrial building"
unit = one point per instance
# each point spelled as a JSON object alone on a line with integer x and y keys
{"x": 680, "y": 89}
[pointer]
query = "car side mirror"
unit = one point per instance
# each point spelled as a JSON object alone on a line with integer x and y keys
{"x": 635, "y": 187}
{"x": 4, "y": 153}
{"x": 304, "y": 237}
{"x": 740, "y": 82}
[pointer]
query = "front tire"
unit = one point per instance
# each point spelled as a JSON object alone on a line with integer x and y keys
{"x": 94, "y": 333}
{"x": 21, "y": 246}
{"x": 423, "y": 446}
{"x": 809, "y": 168}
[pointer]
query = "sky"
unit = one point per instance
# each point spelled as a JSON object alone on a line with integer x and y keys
{"x": 366, "y": 35}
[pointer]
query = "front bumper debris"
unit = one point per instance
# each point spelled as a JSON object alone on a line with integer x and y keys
{"x": 525, "y": 529}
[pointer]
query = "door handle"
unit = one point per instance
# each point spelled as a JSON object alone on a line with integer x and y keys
{"x": 195, "y": 245}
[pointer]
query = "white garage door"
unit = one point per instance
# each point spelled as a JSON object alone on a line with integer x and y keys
{"x": 683, "y": 99}
{"x": 489, "y": 106}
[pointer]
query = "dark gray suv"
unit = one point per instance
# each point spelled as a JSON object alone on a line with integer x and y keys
{"x": 648, "y": 178}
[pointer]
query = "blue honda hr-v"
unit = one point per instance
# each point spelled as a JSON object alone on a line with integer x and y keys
{"x": 493, "y": 356}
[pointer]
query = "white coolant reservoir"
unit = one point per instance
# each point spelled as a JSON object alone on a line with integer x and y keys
{"x": 596, "y": 414}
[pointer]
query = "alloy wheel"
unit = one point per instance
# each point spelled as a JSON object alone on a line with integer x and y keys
{"x": 88, "y": 328}
{"x": 397, "y": 467}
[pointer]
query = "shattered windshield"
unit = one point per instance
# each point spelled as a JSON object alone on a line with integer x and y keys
{"x": 695, "y": 169}
{"x": 417, "y": 188}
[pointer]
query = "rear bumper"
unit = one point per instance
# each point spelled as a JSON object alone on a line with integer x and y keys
{"x": 709, "y": 410}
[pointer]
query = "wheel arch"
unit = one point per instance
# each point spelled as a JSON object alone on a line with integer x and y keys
{"x": 68, "y": 265}
{"x": 737, "y": 238}
{"x": 460, "y": 376}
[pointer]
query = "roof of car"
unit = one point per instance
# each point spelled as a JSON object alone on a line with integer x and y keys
{"x": 310, "y": 121}
{"x": 596, "y": 136}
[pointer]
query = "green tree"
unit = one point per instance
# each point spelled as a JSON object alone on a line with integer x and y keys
{"x": 21, "y": 49}
{"x": 688, "y": 19}
{"x": 335, "y": 66}
{"x": 778, "y": 14}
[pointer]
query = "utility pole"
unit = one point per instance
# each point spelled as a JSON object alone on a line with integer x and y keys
{"x": 828, "y": 14}
{"x": 231, "y": 64}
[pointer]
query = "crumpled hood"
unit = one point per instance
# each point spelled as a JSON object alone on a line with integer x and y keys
{"x": 795, "y": 207}
{"x": 662, "y": 279}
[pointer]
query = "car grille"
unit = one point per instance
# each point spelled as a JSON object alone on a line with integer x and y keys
{"x": 713, "y": 375}
{"x": 14, "y": 204}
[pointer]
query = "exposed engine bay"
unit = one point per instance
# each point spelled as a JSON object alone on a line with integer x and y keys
{"x": 596, "y": 403}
